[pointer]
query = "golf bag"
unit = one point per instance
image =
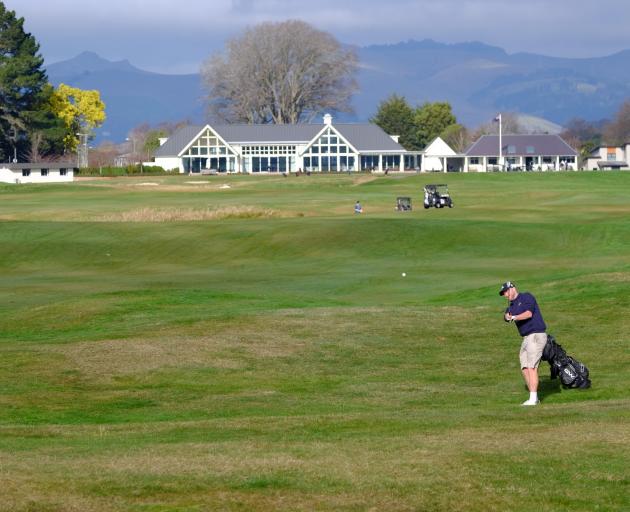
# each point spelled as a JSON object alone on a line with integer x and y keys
{"x": 572, "y": 373}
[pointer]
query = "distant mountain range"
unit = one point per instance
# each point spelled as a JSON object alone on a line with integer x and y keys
{"x": 132, "y": 96}
{"x": 476, "y": 79}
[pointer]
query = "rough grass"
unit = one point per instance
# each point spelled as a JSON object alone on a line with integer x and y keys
{"x": 282, "y": 362}
{"x": 184, "y": 215}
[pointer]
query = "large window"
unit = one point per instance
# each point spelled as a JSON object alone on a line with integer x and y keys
{"x": 269, "y": 164}
{"x": 411, "y": 161}
{"x": 369, "y": 162}
{"x": 391, "y": 161}
{"x": 269, "y": 158}
{"x": 328, "y": 153}
{"x": 208, "y": 152}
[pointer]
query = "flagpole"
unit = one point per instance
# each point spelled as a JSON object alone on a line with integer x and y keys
{"x": 500, "y": 144}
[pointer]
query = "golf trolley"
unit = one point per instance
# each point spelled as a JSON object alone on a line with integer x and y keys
{"x": 403, "y": 204}
{"x": 437, "y": 196}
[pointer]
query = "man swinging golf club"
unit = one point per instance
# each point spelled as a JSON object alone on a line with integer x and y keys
{"x": 523, "y": 310}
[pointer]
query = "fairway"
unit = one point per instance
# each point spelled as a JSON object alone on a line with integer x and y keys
{"x": 247, "y": 343}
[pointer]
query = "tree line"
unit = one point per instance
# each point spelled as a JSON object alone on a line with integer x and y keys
{"x": 418, "y": 126}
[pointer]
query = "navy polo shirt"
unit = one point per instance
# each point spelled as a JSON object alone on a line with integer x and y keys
{"x": 526, "y": 302}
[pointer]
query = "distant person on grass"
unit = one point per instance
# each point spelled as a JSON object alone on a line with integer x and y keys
{"x": 524, "y": 311}
{"x": 358, "y": 208}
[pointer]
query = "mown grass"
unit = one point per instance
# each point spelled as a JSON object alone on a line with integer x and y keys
{"x": 156, "y": 357}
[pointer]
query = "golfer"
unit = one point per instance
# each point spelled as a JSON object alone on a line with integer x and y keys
{"x": 524, "y": 311}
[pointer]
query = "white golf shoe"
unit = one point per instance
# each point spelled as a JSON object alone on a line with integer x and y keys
{"x": 531, "y": 402}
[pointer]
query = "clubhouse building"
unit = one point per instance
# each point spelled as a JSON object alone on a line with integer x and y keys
{"x": 328, "y": 147}
{"x": 273, "y": 148}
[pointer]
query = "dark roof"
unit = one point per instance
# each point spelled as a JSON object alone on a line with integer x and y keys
{"x": 364, "y": 137}
{"x": 541, "y": 145}
{"x": 178, "y": 141}
{"x": 368, "y": 137}
{"x": 267, "y": 133}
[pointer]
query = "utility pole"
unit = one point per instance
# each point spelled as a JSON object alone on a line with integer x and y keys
{"x": 134, "y": 154}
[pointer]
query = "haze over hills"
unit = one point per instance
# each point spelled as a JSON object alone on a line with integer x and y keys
{"x": 132, "y": 96}
{"x": 477, "y": 79}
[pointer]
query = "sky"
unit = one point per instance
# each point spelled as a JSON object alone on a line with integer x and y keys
{"x": 176, "y": 36}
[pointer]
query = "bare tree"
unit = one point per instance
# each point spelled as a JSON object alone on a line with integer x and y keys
{"x": 143, "y": 140}
{"x": 582, "y": 135}
{"x": 457, "y": 137}
{"x": 618, "y": 131}
{"x": 104, "y": 155}
{"x": 509, "y": 125}
{"x": 287, "y": 72}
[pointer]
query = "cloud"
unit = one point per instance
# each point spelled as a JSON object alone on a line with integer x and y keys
{"x": 163, "y": 34}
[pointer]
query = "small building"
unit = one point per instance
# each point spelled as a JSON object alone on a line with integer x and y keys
{"x": 271, "y": 148}
{"x": 438, "y": 156}
{"x": 608, "y": 157}
{"x": 37, "y": 172}
{"x": 520, "y": 152}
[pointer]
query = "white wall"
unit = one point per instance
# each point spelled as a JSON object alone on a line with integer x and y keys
{"x": 432, "y": 163}
{"x": 6, "y": 176}
{"x": 15, "y": 176}
{"x": 168, "y": 163}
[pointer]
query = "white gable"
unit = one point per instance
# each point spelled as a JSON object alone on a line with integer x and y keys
{"x": 439, "y": 148}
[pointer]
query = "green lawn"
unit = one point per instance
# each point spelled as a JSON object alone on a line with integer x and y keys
{"x": 172, "y": 344}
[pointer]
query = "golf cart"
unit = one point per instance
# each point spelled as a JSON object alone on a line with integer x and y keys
{"x": 403, "y": 204}
{"x": 437, "y": 196}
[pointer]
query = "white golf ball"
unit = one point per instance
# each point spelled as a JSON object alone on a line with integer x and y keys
{"x": 404, "y": 274}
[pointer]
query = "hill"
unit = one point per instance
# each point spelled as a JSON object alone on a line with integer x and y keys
{"x": 477, "y": 79}
{"x": 480, "y": 80}
{"x": 132, "y": 96}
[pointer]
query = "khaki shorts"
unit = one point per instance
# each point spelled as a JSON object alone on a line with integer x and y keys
{"x": 532, "y": 349}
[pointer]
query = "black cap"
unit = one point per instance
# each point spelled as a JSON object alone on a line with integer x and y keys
{"x": 505, "y": 287}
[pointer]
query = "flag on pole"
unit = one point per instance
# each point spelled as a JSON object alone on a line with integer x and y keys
{"x": 497, "y": 118}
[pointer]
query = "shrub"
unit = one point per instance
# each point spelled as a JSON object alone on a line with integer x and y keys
{"x": 129, "y": 170}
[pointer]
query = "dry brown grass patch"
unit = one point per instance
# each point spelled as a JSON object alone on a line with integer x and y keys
{"x": 360, "y": 180}
{"x": 189, "y": 214}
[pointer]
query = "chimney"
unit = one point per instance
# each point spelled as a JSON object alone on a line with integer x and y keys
{"x": 395, "y": 138}
{"x": 327, "y": 119}
{"x": 163, "y": 140}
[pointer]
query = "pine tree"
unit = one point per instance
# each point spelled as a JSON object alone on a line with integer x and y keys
{"x": 23, "y": 87}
